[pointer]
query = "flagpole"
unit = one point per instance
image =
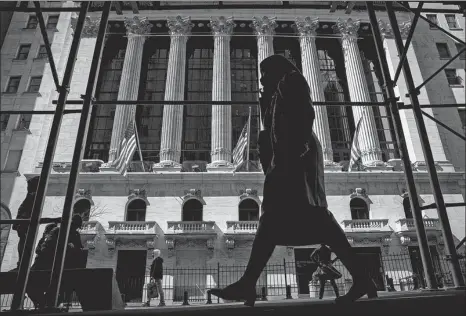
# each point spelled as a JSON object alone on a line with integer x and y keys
{"x": 139, "y": 145}
{"x": 249, "y": 138}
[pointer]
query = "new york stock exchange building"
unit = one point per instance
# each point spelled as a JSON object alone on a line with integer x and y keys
{"x": 188, "y": 199}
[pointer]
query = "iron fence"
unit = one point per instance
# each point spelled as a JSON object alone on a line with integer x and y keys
{"x": 397, "y": 272}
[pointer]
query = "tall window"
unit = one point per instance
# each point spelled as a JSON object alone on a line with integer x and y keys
{"x": 452, "y": 77}
{"x": 407, "y": 208}
{"x": 42, "y": 53}
{"x": 149, "y": 117}
{"x": 24, "y": 121}
{"x": 443, "y": 50}
{"x": 339, "y": 117}
{"x": 83, "y": 208}
{"x": 244, "y": 87}
{"x": 248, "y": 210}
{"x": 451, "y": 21}
{"x": 196, "y": 142}
{"x": 23, "y": 52}
{"x": 136, "y": 211}
{"x": 432, "y": 18}
{"x": 359, "y": 209}
{"x": 52, "y": 22}
{"x": 382, "y": 115}
{"x": 192, "y": 210}
{"x": 32, "y": 22}
{"x": 289, "y": 48}
{"x": 13, "y": 84}
{"x": 4, "y": 118}
{"x": 98, "y": 142}
{"x": 34, "y": 84}
{"x": 460, "y": 47}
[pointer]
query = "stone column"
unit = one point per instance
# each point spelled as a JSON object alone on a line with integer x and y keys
{"x": 359, "y": 92}
{"x": 172, "y": 123}
{"x": 221, "y": 91}
{"x": 311, "y": 71}
{"x": 416, "y": 155}
{"x": 264, "y": 29}
{"x": 129, "y": 83}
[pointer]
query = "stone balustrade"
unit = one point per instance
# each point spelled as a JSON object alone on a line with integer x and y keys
{"x": 90, "y": 228}
{"x": 131, "y": 227}
{"x": 366, "y": 225}
{"x": 242, "y": 227}
{"x": 190, "y": 227}
{"x": 407, "y": 224}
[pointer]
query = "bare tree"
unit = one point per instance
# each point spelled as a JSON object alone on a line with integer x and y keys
{"x": 94, "y": 213}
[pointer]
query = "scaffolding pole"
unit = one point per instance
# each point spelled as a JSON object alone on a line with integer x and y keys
{"x": 451, "y": 254}
{"x": 23, "y": 272}
{"x": 83, "y": 128}
{"x": 388, "y": 85}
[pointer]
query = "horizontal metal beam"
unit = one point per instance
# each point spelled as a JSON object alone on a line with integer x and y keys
{"x": 39, "y": 112}
{"x": 433, "y": 205}
{"x": 44, "y": 220}
{"x": 43, "y": 10}
{"x": 403, "y": 106}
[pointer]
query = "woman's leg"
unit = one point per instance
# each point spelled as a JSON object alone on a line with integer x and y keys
{"x": 322, "y": 282}
{"x": 335, "y": 288}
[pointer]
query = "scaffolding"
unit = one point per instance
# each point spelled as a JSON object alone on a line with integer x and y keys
{"x": 88, "y": 100}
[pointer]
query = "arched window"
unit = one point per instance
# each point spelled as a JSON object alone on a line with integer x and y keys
{"x": 359, "y": 209}
{"x": 192, "y": 210}
{"x": 136, "y": 211}
{"x": 5, "y": 229}
{"x": 83, "y": 208}
{"x": 248, "y": 210}
{"x": 407, "y": 208}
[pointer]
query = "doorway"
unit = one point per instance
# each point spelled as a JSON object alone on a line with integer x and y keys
{"x": 372, "y": 257}
{"x": 130, "y": 274}
{"x": 305, "y": 268}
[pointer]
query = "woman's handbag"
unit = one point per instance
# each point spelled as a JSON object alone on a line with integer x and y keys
{"x": 152, "y": 290}
{"x": 329, "y": 271}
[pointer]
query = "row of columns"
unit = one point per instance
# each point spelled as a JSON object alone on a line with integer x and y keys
{"x": 222, "y": 29}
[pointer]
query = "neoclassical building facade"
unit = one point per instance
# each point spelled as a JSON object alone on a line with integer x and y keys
{"x": 188, "y": 201}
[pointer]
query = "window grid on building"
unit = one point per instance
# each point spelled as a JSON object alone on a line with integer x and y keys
{"x": 451, "y": 21}
{"x": 34, "y": 84}
{"x": 32, "y": 22}
{"x": 459, "y": 47}
{"x": 136, "y": 211}
{"x": 42, "y": 53}
{"x": 432, "y": 18}
{"x": 13, "y": 84}
{"x": 382, "y": 115}
{"x": 23, "y": 51}
{"x": 52, "y": 22}
{"x": 443, "y": 50}
{"x": 149, "y": 117}
{"x": 196, "y": 141}
{"x": 340, "y": 132}
{"x": 4, "y": 118}
{"x": 359, "y": 209}
{"x": 24, "y": 121}
{"x": 244, "y": 87}
{"x": 98, "y": 144}
{"x": 452, "y": 77}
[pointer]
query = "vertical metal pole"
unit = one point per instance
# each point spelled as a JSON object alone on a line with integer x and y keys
{"x": 56, "y": 276}
{"x": 23, "y": 272}
{"x": 434, "y": 181}
{"x": 388, "y": 85}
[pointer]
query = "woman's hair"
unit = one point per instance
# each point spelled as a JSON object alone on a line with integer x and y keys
{"x": 33, "y": 183}
{"x": 156, "y": 253}
{"x": 278, "y": 66}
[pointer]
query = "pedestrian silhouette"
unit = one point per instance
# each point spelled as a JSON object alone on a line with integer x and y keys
{"x": 294, "y": 201}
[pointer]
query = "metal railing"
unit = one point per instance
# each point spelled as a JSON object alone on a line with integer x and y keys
{"x": 397, "y": 272}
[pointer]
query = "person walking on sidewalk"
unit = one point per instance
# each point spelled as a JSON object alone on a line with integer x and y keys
{"x": 325, "y": 271}
{"x": 154, "y": 288}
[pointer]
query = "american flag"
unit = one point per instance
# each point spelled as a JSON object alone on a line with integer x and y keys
{"x": 238, "y": 152}
{"x": 127, "y": 149}
{"x": 355, "y": 150}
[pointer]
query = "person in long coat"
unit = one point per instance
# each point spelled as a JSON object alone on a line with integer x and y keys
{"x": 294, "y": 201}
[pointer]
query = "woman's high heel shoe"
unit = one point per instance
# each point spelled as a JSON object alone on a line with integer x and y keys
{"x": 358, "y": 290}
{"x": 237, "y": 292}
